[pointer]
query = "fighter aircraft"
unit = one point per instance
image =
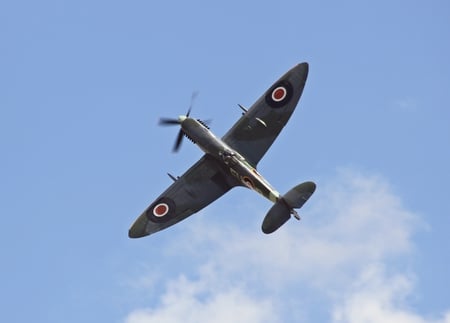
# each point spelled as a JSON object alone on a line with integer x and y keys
{"x": 231, "y": 161}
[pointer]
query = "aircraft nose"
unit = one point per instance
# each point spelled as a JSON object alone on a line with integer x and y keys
{"x": 182, "y": 118}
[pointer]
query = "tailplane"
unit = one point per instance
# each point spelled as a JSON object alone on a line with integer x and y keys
{"x": 281, "y": 211}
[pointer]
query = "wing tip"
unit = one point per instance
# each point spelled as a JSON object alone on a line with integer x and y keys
{"x": 138, "y": 229}
{"x": 134, "y": 234}
{"x": 303, "y": 68}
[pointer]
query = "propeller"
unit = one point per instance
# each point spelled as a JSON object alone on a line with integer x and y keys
{"x": 172, "y": 121}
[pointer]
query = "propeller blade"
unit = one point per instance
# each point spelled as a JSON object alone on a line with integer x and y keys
{"x": 179, "y": 121}
{"x": 168, "y": 122}
{"x": 193, "y": 97}
{"x": 178, "y": 141}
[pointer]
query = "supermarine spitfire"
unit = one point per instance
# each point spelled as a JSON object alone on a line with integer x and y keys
{"x": 231, "y": 161}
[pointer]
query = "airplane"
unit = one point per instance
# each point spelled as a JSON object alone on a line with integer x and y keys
{"x": 231, "y": 161}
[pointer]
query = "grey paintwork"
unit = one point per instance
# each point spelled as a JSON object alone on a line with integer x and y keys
{"x": 228, "y": 162}
{"x": 251, "y": 138}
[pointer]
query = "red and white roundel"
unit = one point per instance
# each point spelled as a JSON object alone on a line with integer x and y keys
{"x": 160, "y": 210}
{"x": 279, "y": 93}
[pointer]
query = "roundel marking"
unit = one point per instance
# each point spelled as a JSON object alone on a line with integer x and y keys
{"x": 279, "y": 94}
{"x": 248, "y": 182}
{"x": 160, "y": 210}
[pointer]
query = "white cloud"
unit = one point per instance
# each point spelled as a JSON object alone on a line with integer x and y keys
{"x": 377, "y": 298}
{"x": 241, "y": 275}
{"x": 353, "y": 221}
{"x": 196, "y": 301}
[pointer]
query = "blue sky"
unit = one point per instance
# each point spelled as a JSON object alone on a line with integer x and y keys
{"x": 83, "y": 85}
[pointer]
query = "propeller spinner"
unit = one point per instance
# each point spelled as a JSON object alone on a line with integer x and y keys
{"x": 179, "y": 121}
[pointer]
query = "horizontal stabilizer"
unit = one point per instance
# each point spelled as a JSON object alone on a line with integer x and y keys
{"x": 297, "y": 196}
{"x": 281, "y": 211}
{"x": 276, "y": 217}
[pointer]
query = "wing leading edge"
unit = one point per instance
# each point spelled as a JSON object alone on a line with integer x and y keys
{"x": 256, "y": 130}
{"x": 202, "y": 184}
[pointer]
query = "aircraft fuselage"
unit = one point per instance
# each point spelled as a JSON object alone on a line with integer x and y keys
{"x": 231, "y": 159}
